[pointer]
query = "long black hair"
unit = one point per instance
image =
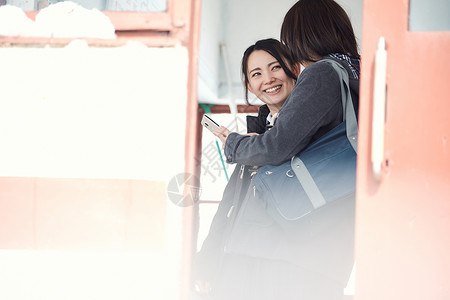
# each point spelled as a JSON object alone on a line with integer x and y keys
{"x": 278, "y": 51}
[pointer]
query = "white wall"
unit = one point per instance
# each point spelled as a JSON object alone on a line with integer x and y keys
{"x": 92, "y": 112}
{"x": 210, "y": 38}
{"x": 429, "y": 15}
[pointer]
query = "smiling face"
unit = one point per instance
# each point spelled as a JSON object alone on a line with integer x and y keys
{"x": 267, "y": 80}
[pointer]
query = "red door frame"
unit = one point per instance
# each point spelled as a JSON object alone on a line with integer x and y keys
{"x": 192, "y": 146}
{"x": 403, "y": 218}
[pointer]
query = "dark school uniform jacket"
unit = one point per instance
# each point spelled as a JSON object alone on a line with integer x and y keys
{"x": 207, "y": 261}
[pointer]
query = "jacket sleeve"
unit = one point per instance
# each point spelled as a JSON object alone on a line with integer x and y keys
{"x": 314, "y": 104}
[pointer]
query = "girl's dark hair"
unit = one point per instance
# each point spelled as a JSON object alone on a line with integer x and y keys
{"x": 278, "y": 51}
{"x": 313, "y": 29}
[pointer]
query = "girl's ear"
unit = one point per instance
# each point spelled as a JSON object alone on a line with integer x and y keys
{"x": 297, "y": 69}
{"x": 249, "y": 88}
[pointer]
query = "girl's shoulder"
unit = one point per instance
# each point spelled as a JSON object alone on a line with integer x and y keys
{"x": 324, "y": 69}
{"x": 319, "y": 70}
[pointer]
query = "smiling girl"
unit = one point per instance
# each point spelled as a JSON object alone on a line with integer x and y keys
{"x": 266, "y": 75}
{"x": 269, "y": 72}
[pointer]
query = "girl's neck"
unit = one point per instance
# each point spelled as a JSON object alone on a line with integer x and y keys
{"x": 274, "y": 109}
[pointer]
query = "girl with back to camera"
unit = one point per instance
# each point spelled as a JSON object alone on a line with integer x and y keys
{"x": 312, "y": 30}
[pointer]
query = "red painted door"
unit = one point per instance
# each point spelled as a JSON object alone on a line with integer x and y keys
{"x": 403, "y": 181}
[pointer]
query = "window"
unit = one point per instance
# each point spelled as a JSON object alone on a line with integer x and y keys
{"x": 153, "y": 22}
{"x": 107, "y": 5}
{"x": 426, "y": 15}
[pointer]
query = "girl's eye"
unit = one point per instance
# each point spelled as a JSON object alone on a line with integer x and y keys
{"x": 255, "y": 74}
{"x": 276, "y": 68}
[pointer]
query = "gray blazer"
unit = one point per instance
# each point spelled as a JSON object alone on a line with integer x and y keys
{"x": 313, "y": 108}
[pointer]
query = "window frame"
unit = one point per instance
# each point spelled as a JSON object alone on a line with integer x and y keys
{"x": 155, "y": 29}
